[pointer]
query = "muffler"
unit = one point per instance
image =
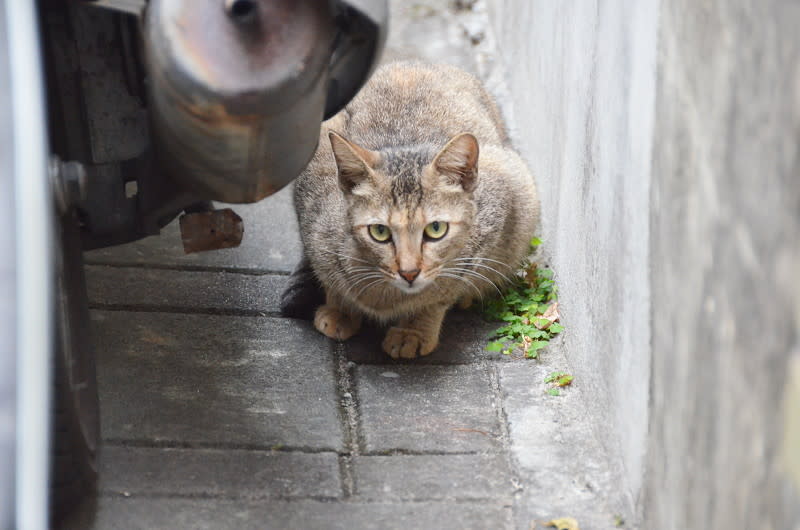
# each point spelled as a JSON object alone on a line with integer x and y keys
{"x": 237, "y": 89}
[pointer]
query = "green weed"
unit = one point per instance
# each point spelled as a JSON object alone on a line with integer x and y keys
{"x": 557, "y": 380}
{"x": 529, "y": 309}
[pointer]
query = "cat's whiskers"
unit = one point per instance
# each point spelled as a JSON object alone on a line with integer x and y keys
{"x": 474, "y": 274}
{"x": 476, "y": 258}
{"x": 364, "y": 289}
{"x": 370, "y": 268}
{"x": 470, "y": 262}
{"x": 338, "y": 282}
{"x": 341, "y": 278}
{"x": 463, "y": 279}
{"x": 359, "y": 280}
{"x": 357, "y": 271}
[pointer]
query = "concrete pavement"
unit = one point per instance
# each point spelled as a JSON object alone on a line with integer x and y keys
{"x": 218, "y": 413}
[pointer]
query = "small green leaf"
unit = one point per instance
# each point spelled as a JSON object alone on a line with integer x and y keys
{"x": 520, "y": 311}
{"x": 564, "y": 381}
{"x": 538, "y": 334}
{"x": 547, "y": 274}
{"x": 538, "y": 344}
{"x": 495, "y": 346}
{"x": 546, "y": 284}
{"x": 553, "y": 392}
{"x": 535, "y": 242}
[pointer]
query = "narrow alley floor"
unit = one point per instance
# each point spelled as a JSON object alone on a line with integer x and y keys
{"x": 217, "y": 413}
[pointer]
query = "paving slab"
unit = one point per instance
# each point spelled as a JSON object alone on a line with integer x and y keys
{"x": 563, "y": 468}
{"x": 433, "y": 477}
{"x": 153, "y": 471}
{"x": 462, "y": 341}
{"x": 442, "y": 409}
{"x": 177, "y": 290}
{"x": 218, "y": 514}
{"x": 271, "y": 242}
{"x": 215, "y": 380}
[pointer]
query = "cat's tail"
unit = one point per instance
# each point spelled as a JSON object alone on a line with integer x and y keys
{"x": 303, "y": 293}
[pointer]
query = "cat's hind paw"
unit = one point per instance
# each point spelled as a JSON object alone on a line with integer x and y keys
{"x": 335, "y": 324}
{"x": 405, "y": 343}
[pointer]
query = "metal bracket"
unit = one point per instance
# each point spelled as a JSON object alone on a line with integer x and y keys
{"x": 68, "y": 181}
{"x": 211, "y": 230}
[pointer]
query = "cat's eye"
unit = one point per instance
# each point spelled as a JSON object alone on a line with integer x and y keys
{"x": 380, "y": 233}
{"x": 436, "y": 230}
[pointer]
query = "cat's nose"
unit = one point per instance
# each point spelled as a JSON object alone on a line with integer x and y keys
{"x": 409, "y": 275}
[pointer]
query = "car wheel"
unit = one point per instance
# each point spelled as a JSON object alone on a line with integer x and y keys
{"x": 75, "y": 419}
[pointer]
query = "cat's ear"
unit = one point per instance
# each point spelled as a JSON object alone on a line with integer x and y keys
{"x": 458, "y": 161}
{"x": 353, "y": 161}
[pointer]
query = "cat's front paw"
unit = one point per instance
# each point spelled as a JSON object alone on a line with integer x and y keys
{"x": 335, "y": 324}
{"x": 405, "y": 343}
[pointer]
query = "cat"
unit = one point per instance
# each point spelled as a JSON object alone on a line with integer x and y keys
{"x": 398, "y": 223}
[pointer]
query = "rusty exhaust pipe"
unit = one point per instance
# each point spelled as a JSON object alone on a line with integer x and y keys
{"x": 237, "y": 91}
{"x": 242, "y": 11}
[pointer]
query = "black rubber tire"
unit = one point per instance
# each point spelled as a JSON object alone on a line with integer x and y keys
{"x": 76, "y": 420}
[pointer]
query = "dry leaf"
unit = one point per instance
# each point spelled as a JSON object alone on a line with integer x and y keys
{"x": 564, "y": 523}
{"x": 552, "y": 312}
{"x": 551, "y": 315}
{"x": 526, "y": 343}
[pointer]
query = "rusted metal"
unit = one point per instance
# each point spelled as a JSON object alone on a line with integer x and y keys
{"x": 237, "y": 90}
{"x": 213, "y": 230}
{"x": 242, "y": 11}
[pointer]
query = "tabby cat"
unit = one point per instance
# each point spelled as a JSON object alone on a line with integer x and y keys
{"x": 398, "y": 224}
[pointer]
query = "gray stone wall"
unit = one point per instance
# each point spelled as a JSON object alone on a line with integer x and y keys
{"x": 665, "y": 137}
{"x": 581, "y": 76}
{"x": 725, "y": 246}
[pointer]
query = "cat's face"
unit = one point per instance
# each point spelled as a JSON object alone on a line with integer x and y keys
{"x": 411, "y": 213}
{"x": 411, "y": 242}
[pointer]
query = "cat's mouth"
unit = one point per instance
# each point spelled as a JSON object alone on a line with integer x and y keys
{"x": 418, "y": 285}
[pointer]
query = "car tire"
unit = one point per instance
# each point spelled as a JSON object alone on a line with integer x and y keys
{"x": 75, "y": 418}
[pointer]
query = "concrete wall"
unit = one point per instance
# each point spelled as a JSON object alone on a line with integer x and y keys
{"x": 582, "y": 81}
{"x": 665, "y": 137}
{"x": 725, "y": 246}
